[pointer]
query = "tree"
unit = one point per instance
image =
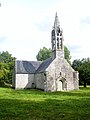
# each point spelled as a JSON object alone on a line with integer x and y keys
{"x": 6, "y": 57}
{"x": 67, "y": 54}
{"x": 45, "y": 53}
{"x": 6, "y": 66}
{"x": 76, "y": 64}
{"x": 4, "y": 70}
{"x": 83, "y": 66}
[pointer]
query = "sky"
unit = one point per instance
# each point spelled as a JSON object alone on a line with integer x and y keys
{"x": 25, "y": 26}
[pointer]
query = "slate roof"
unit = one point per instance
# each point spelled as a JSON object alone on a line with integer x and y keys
{"x": 25, "y": 67}
{"x": 31, "y": 67}
{"x": 44, "y": 65}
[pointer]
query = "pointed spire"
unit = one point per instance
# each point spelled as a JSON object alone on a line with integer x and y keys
{"x": 56, "y": 22}
{"x": 56, "y": 15}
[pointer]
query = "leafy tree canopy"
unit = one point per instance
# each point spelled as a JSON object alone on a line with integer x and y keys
{"x": 83, "y": 66}
{"x": 6, "y": 66}
{"x": 67, "y": 54}
{"x": 45, "y": 53}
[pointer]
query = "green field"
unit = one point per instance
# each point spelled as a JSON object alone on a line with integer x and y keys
{"x": 39, "y": 105}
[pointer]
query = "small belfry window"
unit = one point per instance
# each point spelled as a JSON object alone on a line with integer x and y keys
{"x": 58, "y": 39}
{"x": 61, "y": 34}
{"x": 57, "y": 34}
{"x": 58, "y": 45}
{"x": 60, "y": 73}
{"x": 58, "y": 29}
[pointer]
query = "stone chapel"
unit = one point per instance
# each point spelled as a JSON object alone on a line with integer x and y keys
{"x": 53, "y": 74}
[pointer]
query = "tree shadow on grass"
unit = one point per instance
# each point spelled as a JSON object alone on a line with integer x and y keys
{"x": 48, "y": 109}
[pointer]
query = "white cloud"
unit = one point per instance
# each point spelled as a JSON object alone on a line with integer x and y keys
{"x": 72, "y": 12}
{"x": 26, "y": 26}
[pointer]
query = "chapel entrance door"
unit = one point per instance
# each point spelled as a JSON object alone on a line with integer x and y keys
{"x": 59, "y": 85}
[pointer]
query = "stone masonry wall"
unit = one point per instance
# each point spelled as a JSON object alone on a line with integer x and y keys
{"x": 39, "y": 80}
{"x": 60, "y": 68}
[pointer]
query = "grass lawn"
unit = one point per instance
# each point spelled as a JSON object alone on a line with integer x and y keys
{"x": 39, "y": 105}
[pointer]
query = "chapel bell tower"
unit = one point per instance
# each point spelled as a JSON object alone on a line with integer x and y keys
{"x": 57, "y": 40}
